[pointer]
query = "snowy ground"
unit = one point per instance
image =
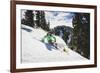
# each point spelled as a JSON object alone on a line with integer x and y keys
{"x": 33, "y": 50}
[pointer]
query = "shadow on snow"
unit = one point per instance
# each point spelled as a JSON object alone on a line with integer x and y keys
{"x": 50, "y": 47}
{"x": 28, "y": 30}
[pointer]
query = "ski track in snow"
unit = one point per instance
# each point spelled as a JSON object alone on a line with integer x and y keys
{"x": 33, "y": 50}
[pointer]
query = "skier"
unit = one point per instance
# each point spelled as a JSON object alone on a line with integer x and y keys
{"x": 50, "y": 39}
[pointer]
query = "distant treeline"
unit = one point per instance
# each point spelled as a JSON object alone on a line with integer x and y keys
{"x": 35, "y": 19}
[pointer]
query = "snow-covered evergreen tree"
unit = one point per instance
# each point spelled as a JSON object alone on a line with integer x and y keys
{"x": 81, "y": 34}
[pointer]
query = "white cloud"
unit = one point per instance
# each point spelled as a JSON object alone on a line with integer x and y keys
{"x": 61, "y": 18}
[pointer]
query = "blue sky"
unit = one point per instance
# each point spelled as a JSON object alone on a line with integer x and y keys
{"x": 58, "y": 18}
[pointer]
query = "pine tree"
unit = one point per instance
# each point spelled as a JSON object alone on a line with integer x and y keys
{"x": 43, "y": 21}
{"x": 38, "y": 19}
{"x": 29, "y": 18}
{"x": 81, "y": 36}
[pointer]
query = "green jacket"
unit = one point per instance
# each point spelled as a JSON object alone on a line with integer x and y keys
{"x": 49, "y": 38}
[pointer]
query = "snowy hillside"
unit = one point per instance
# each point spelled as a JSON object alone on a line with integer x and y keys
{"x": 33, "y": 50}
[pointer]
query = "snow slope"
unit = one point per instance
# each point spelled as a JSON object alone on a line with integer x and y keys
{"x": 33, "y": 50}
